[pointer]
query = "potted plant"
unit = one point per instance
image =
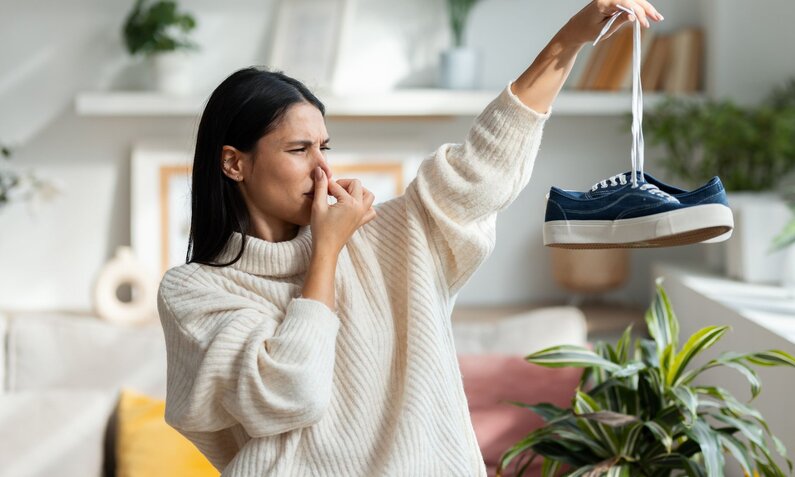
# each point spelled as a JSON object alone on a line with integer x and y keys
{"x": 25, "y": 186}
{"x": 751, "y": 149}
{"x": 459, "y": 63}
{"x": 637, "y": 411}
{"x": 159, "y": 32}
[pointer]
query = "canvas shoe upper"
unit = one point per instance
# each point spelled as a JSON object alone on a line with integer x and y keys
{"x": 629, "y": 215}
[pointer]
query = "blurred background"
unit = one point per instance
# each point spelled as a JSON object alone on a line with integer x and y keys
{"x": 100, "y": 103}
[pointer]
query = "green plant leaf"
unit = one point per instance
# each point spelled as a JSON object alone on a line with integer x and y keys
{"x": 688, "y": 398}
{"x": 610, "y": 418}
{"x": 547, "y": 411}
{"x": 698, "y": 342}
{"x": 569, "y": 356}
{"x": 661, "y": 320}
{"x": 624, "y": 345}
{"x": 710, "y": 445}
{"x": 662, "y": 434}
{"x": 550, "y": 468}
{"x": 738, "y": 450}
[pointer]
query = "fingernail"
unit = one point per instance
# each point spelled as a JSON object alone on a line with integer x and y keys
{"x": 318, "y": 173}
{"x": 661, "y": 17}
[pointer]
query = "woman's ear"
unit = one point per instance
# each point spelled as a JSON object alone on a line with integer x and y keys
{"x": 232, "y": 163}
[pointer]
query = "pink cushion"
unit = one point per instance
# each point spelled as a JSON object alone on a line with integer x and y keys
{"x": 490, "y": 378}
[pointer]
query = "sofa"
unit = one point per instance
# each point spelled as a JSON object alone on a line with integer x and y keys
{"x": 62, "y": 374}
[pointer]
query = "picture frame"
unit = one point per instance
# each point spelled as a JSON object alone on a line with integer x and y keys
{"x": 161, "y": 202}
{"x": 307, "y": 40}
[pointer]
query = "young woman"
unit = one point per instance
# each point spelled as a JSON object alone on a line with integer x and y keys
{"x": 312, "y": 339}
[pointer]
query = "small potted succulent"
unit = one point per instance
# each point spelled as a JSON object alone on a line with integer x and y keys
{"x": 639, "y": 412}
{"x": 459, "y": 63}
{"x": 160, "y": 33}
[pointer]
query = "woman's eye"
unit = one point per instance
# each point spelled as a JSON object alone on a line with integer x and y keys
{"x": 325, "y": 148}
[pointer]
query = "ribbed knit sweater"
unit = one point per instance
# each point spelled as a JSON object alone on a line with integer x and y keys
{"x": 267, "y": 383}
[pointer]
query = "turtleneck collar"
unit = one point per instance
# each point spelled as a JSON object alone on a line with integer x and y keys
{"x": 270, "y": 259}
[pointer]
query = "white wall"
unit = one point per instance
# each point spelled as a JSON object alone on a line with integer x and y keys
{"x": 50, "y": 51}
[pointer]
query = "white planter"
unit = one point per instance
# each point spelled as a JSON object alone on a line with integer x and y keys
{"x": 173, "y": 72}
{"x": 788, "y": 270}
{"x": 459, "y": 68}
{"x": 758, "y": 218}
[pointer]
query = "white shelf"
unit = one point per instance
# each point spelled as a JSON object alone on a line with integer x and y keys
{"x": 401, "y": 103}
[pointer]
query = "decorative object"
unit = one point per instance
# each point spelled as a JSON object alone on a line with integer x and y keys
{"x": 751, "y": 149}
{"x": 160, "y": 33}
{"x": 590, "y": 271}
{"x": 459, "y": 65}
{"x": 124, "y": 268}
{"x": 147, "y": 445}
{"x": 307, "y": 40}
{"x": 638, "y": 411}
{"x": 160, "y": 215}
{"x": 24, "y": 186}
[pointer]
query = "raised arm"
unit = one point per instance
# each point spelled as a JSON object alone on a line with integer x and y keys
{"x": 541, "y": 82}
{"x": 453, "y": 202}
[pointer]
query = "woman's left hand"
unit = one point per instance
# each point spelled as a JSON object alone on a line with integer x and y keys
{"x": 586, "y": 24}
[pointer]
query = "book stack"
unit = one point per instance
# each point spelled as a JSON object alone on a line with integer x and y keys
{"x": 670, "y": 62}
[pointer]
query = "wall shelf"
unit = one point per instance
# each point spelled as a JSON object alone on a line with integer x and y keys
{"x": 409, "y": 103}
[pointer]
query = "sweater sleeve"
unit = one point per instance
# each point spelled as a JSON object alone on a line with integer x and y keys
{"x": 461, "y": 188}
{"x": 230, "y": 363}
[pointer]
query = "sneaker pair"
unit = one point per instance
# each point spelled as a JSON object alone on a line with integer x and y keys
{"x": 617, "y": 213}
{"x": 634, "y": 209}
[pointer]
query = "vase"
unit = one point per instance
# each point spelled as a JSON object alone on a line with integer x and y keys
{"x": 590, "y": 271}
{"x": 125, "y": 268}
{"x": 459, "y": 68}
{"x": 173, "y": 72}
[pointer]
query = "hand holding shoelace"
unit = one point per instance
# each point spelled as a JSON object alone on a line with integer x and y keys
{"x": 587, "y": 24}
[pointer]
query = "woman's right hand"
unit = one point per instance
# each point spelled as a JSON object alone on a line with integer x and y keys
{"x": 333, "y": 225}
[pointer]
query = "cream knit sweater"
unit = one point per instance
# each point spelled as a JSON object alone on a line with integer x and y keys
{"x": 266, "y": 383}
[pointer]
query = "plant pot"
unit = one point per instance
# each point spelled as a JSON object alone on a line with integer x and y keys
{"x": 459, "y": 68}
{"x": 173, "y": 72}
{"x": 590, "y": 271}
{"x": 758, "y": 218}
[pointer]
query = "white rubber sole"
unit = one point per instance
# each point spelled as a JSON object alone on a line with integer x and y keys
{"x": 678, "y": 227}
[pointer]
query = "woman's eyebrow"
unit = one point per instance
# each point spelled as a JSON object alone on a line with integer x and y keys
{"x": 305, "y": 142}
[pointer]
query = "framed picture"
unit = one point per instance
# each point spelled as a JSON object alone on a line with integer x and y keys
{"x": 160, "y": 203}
{"x": 160, "y": 215}
{"x": 385, "y": 176}
{"x": 307, "y": 39}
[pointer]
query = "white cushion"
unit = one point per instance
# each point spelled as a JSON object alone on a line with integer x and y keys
{"x": 523, "y": 333}
{"x": 50, "y": 350}
{"x": 56, "y": 432}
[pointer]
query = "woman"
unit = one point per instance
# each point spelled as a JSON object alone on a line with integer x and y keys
{"x": 313, "y": 339}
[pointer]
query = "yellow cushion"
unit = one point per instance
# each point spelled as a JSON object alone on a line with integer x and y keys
{"x": 148, "y": 447}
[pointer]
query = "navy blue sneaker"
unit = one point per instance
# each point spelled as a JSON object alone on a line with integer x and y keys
{"x": 710, "y": 193}
{"x": 615, "y": 214}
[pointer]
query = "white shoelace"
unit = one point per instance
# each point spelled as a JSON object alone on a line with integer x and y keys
{"x": 637, "y": 94}
{"x": 622, "y": 179}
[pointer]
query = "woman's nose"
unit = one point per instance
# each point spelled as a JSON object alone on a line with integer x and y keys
{"x": 323, "y": 163}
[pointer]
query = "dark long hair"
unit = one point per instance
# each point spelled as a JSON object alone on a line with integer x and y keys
{"x": 244, "y": 107}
